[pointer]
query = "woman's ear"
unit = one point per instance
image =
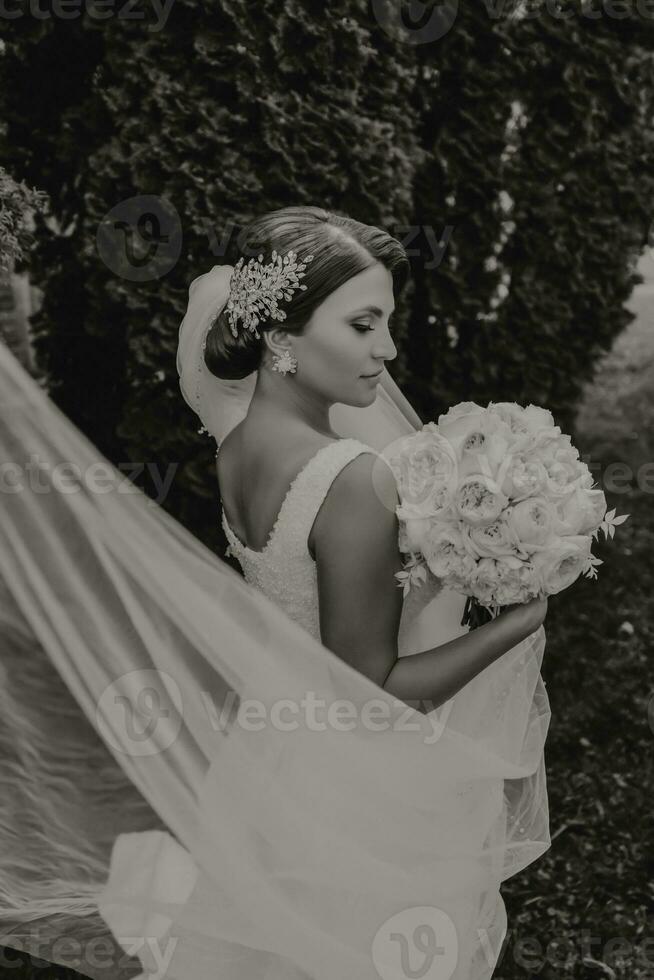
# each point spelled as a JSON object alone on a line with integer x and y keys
{"x": 276, "y": 340}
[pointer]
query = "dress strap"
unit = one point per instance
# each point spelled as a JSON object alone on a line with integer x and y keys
{"x": 303, "y": 499}
{"x": 307, "y": 493}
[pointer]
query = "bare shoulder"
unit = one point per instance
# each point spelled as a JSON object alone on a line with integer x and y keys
{"x": 359, "y": 505}
{"x": 357, "y": 559}
{"x": 364, "y": 479}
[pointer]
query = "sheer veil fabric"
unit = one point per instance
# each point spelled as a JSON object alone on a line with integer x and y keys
{"x": 182, "y": 792}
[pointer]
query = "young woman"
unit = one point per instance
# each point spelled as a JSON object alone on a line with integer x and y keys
{"x": 298, "y": 776}
{"x": 311, "y": 517}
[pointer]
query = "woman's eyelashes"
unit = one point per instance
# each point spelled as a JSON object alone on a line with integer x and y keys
{"x": 363, "y": 327}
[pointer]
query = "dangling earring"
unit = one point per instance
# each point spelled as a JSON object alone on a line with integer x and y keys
{"x": 284, "y": 362}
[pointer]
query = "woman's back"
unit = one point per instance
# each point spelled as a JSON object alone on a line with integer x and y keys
{"x": 272, "y": 498}
{"x": 255, "y": 468}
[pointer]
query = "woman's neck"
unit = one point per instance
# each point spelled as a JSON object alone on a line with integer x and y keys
{"x": 276, "y": 401}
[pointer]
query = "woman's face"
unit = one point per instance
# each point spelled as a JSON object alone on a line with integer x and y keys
{"x": 348, "y": 339}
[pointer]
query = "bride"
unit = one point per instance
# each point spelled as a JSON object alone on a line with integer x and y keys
{"x": 327, "y": 548}
{"x": 376, "y": 771}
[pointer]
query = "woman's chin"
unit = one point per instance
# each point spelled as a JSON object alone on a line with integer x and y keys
{"x": 366, "y": 397}
{"x": 361, "y": 396}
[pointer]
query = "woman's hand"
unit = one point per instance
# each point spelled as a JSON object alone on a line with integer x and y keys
{"x": 531, "y": 614}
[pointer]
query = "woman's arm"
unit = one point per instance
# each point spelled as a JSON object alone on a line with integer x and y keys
{"x": 434, "y": 676}
{"x": 355, "y": 538}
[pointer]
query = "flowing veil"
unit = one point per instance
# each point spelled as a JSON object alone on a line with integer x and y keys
{"x": 179, "y": 795}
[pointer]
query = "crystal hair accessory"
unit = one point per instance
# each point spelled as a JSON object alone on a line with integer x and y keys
{"x": 255, "y": 288}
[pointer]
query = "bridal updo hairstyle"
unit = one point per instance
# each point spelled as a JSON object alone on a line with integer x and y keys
{"x": 341, "y": 248}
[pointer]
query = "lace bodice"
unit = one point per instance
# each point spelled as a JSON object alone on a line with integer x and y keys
{"x": 284, "y": 569}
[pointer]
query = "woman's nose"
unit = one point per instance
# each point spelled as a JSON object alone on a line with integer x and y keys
{"x": 387, "y": 350}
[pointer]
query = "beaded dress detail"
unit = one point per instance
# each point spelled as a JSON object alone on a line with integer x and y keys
{"x": 284, "y": 569}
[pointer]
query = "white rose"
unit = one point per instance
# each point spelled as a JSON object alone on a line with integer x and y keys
{"x": 583, "y": 476}
{"x": 485, "y": 448}
{"x": 532, "y": 521}
{"x": 558, "y": 486}
{"x": 518, "y": 585}
{"x": 460, "y": 410}
{"x": 561, "y": 564}
{"x": 512, "y": 415}
{"x": 537, "y": 418}
{"x": 485, "y": 581}
{"x": 582, "y": 512}
{"x": 504, "y": 581}
{"x": 472, "y": 423}
{"x": 543, "y": 444}
{"x": 521, "y": 476}
{"x": 491, "y": 540}
{"x": 488, "y": 576}
{"x": 564, "y": 445}
{"x": 527, "y": 423}
{"x": 524, "y": 582}
{"x": 444, "y": 552}
{"x": 425, "y": 470}
{"x": 568, "y": 457}
{"x": 542, "y": 437}
{"x": 478, "y": 500}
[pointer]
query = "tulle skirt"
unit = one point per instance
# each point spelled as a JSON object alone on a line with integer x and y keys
{"x": 390, "y": 868}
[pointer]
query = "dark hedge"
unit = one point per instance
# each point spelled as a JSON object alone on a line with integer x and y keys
{"x": 520, "y": 142}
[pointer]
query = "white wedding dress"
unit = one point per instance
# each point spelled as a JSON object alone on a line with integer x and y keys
{"x": 222, "y": 842}
{"x": 284, "y": 569}
{"x": 286, "y": 573}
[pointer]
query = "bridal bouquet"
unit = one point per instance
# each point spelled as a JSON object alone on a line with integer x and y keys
{"x": 496, "y": 503}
